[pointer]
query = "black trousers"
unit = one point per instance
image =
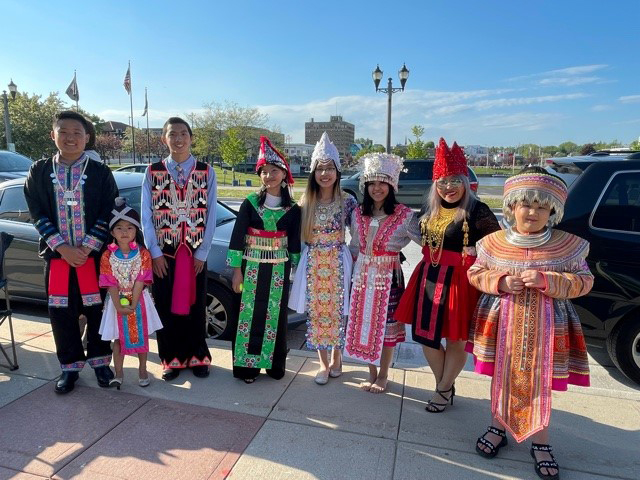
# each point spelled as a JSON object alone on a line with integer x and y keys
{"x": 182, "y": 340}
{"x": 66, "y": 329}
{"x": 258, "y": 324}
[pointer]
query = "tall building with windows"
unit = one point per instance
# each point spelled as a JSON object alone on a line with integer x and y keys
{"x": 341, "y": 133}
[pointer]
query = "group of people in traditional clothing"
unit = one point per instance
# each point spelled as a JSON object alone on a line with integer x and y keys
{"x": 500, "y": 293}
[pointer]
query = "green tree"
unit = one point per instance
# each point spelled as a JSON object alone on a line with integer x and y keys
{"x": 430, "y": 144}
{"x": 31, "y": 120}
{"x": 400, "y": 150}
{"x": 218, "y": 118}
{"x": 568, "y": 148}
{"x": 635, "y": 145}
{"x": 233, "y": 150}
{"x": 366, "y": 142}
{"x": 377, "y": 148}
{"x": 417, "y": 148}
{"x": 587, "y": 148}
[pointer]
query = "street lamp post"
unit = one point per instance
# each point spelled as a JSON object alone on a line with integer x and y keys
{"x": 13, "y": 90}
{"x": 403, "y": 73}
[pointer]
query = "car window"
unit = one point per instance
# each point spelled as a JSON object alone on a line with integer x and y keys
{"x": 133, "y": 196}
{"x": 14, "y": 162}
{"x": 13, "y": 205}
{"x": 619, "y": 206}
{"x": 417, "y": 171}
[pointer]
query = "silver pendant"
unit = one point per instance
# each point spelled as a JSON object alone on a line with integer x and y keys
{"x": 72, "y": 203}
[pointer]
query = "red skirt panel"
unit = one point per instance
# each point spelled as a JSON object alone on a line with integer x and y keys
{"x": 439, "y": 301}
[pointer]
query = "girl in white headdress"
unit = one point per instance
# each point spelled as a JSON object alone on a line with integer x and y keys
{"x": 380, "y": 228}
{"x": 321, "y": 284}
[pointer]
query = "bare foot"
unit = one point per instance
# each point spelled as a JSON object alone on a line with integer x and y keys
{"x": 380, "y": 385}
{"x": 368, "y": 383}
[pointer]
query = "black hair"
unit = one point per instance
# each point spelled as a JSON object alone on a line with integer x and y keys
{"x": 388, "y": 206}
{"x": 175, "y": 121}
{"x": 139, "y": 235}
{"x": 91, "y": 130}
{"x": 71, "y": 115}
{"x": 284, "y": 195}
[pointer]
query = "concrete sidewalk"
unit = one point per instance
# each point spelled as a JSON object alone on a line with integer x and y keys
{"x": 220, "y": 427}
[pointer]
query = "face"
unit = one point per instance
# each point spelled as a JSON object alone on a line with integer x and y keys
{"x": 326, "y": 174}
{"x": 272, "y": 176}
{"x": 177, "y": 139}
{"x": 450, "y": 189}
{"x": 530, "y": 217}
{"x": 124, "y": 232}
{"x": 378, "y": 191}
{"x": 70, "y": 138}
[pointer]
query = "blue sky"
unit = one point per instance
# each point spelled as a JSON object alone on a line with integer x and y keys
{"x": 482, "y": 72}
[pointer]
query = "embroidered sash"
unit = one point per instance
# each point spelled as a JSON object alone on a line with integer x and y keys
{"x": 59, "y": 271}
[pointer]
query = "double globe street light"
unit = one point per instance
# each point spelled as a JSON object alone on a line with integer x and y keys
{"x": 13, "y": 90}
{"x": 403, "y": 73}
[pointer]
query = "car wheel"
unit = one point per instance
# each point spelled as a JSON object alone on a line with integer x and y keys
{"x": 623, "y": 345}
{"x": 220, "y": 308}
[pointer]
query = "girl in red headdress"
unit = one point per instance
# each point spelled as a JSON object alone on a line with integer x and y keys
{"x": 439, "y": 302}
{"x": 265, "y": 244}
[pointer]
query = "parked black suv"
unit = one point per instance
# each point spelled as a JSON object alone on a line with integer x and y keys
{"x": 604, "y": 208}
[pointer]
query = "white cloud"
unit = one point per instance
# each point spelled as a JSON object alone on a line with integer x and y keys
{"x": 569, "y": 81}
{"x": 629, "y": 99}
{"x": 601, "y": 108}
{"x": 435, "y": 110}
{"x": 562, "y": 72}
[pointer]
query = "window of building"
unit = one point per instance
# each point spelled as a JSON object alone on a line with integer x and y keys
{"x": 619, "y": 207}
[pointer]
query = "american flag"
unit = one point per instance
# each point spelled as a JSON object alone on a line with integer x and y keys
{"x": 127, "y": 80}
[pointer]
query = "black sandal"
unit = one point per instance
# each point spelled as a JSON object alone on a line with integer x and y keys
{"x": 541, "y": 447}
{"x": 435, "y": 407}
{"x": 494, "y": 449}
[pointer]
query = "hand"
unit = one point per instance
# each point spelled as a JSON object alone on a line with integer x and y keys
{"x": 533, "y": 279}
{"x": 160, "y": 267}
{"x": 74, "y": 256}
{"x": 237, "y": 280}
{"x": 511, "y": 284}
{"x": 86, "y": 250}
{"x": 471, "y": 251}
{"x": 198, "y": 265}
{"x": 124, "y": 310}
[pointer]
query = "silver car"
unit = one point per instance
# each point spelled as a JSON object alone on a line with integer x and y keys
{"x": 25, "y": 268}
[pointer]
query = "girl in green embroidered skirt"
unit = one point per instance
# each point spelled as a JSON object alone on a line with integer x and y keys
{"x": 264, "y": 245}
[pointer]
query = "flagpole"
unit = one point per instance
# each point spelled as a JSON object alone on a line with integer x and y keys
{"x": 77, "y": 96}
{"x": 133, "y": 133}
{"x": 146, "y": 103}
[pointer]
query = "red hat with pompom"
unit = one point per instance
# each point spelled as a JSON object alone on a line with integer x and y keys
{"x": 449, "y": 161}
{"x": 269, "y": 154}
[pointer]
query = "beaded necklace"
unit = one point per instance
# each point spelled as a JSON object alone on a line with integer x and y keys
{"x": 433, "y": 229}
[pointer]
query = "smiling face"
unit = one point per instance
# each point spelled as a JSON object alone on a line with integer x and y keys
{"x": 378, "y": 191}
{"x": 271, "y": 177}
{"x": 326, "y": 174}
{"x": 450, "y": 189}
{"x": 178, "y": 139}
{"x": 124, "y": 232}
{"x": 70, "y": 137}
{"x": 530, "y": 217}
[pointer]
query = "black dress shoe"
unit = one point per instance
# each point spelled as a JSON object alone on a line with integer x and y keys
{"x": 104, "y": 375}
{"x": 201, "y": 371}
{"x": 66, "y": 382}
{"x": 169, "y": 374}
